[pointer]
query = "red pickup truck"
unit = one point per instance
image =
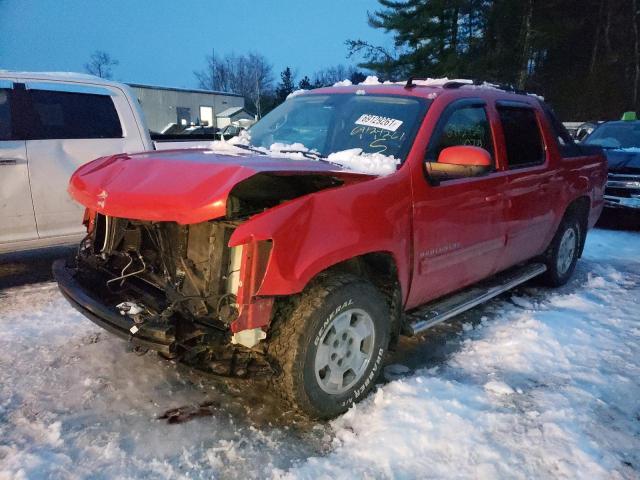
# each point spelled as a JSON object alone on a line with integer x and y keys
{"x": 303, "y": 270}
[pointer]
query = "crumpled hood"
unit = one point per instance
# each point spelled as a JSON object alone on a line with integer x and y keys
{"x": 185, "y": 186}
{"x": 623, "y": 160}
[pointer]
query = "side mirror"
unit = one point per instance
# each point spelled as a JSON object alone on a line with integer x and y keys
{"x": 465, "y": 155}
{"x": 459, "y": 162}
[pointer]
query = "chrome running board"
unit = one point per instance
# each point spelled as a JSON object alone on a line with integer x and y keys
{"x": 438, "y": 311}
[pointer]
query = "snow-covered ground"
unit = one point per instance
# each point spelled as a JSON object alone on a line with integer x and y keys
{"x": 536, "y": 384}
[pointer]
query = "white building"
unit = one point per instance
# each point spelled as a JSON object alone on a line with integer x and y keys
{"x": 163, "y": 106}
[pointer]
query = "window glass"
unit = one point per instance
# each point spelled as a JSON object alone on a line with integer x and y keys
{"x": 332, "y": 123}
{"x": 466, "y": 125}
{"x": 616, "y": 135}
{"x": 65, "y": 115}
{"x": 522, "y": 136}
{"x": 5, "y": 115}
{"x": 567, "y": 146}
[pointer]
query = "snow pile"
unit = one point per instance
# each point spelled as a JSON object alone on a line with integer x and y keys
{"x": 353, "y": 159}
{"x": 293, "y": 151}
{"x": 224, "y": 148}
{"x": 439, "y": 82}
{"x": 551, "y": 391}
{"x": 76, "y": 402}
{"x": 296, "y": 93}
{"x": 538, "y": 384}
{"x": 370, "y": 80}
{"x": 344, "y": 83}
{"x": 371, "y": 163}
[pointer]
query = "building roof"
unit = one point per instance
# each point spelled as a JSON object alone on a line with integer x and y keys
{"x": 229, "y": 112}
{"x": 189, "y": 90}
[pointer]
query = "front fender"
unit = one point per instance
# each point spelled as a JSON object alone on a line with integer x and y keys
{"x": 317, "y": 231}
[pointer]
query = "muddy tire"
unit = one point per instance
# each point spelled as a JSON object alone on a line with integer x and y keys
{"x": 562, "y": 255}
{"x": 329, "y": 343}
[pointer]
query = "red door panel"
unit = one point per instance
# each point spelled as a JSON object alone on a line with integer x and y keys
{"x": 459, "y": 234}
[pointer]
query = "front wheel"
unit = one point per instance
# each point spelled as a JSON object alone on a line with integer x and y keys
{"x": 563, "y": 253}
{"x": 330, "y": 345}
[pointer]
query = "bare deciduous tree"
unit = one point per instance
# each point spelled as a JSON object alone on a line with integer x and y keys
{"x": 100, "y": 64}
{"x": 330, "y": 75}
{"x": 249, "y": 75}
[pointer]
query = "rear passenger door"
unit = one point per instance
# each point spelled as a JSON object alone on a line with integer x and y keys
{"x": 69, "y": 125}
{"x": 17, "y": 221}
{"x": 529, "y": 208}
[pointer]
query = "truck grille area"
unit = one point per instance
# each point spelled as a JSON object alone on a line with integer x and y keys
{"x": 187, "y": 269}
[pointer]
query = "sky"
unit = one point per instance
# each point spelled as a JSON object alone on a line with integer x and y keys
{"x": 162, "y": 42}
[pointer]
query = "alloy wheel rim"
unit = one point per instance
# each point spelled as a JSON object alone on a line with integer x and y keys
{"x": 566, "y": 251}
{"x": 344, "y": 351}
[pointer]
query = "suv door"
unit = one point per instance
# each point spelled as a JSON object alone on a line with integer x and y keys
{"x": 458, "y": 222}
{"x": 71, "y": 125}
{"x": 529, "y": 211}
{"x": 17, "y": 221}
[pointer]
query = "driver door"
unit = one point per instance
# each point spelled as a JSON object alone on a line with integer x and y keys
{"x": 459, "y": 230}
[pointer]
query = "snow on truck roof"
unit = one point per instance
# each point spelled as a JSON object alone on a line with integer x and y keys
{"x": 431, "y": 83}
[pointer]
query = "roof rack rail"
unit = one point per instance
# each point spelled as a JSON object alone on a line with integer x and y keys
{"x": 456, "y": 84}
{"x": 452, "y": 84}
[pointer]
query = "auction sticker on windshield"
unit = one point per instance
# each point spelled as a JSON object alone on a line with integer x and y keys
{"x": 385, "y": 123}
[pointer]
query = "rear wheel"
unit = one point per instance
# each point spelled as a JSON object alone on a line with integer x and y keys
{"x": 329, "y": 344}
{"x": 563, "y": 253}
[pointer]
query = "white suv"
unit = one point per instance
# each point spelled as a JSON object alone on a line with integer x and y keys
{"x": 50, "y": 124}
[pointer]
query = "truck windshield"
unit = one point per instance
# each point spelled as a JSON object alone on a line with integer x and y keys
{"x": 332, "y": 123}
{"x": 616, "y": 135}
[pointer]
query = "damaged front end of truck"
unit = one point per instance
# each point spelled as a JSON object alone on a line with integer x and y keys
{"x": 156, "y": 266}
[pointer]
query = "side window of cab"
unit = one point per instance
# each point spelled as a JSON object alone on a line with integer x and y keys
{"x": 462, "y": 144}
{"x": 5, "y": 115}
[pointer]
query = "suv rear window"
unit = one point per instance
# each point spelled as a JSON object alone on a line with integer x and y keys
{"x": 5, "y": 115}
{"x": 67, "y": 115}
{"x": 522, "y": 136}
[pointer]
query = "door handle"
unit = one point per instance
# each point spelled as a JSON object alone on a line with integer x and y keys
{"x": 493, "y": 198}
{"x": 8, "y": 161}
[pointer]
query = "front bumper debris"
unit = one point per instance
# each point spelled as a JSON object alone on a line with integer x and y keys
{"x": 155, "y": 337}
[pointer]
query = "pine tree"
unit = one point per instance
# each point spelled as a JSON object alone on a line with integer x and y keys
{"x": 582, "y": 55}
{"x": 305, "y": 83}
{"x": 286, "y": 85}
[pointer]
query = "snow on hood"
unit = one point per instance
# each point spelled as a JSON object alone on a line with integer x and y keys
{"x": 354, "y": 159}
{"x": 371, "y": 163}
{"x": 184, "y": 186}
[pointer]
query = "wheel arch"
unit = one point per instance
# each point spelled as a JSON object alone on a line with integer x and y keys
{"x": 580, "y": 208}
{"x": 381, "y": 270}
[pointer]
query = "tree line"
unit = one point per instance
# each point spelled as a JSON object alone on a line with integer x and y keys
{"x": 252, "y": 76}
{"x": 582, "y": 55}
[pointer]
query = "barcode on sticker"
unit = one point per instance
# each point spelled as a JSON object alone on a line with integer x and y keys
{"x": 134, "y": 330}
{"x": 377, "y": 121}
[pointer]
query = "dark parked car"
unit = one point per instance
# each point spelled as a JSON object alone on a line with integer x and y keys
{"x": 621, "y": 143}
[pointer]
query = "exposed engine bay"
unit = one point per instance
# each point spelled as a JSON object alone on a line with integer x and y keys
{"x": 176, "y": 281}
